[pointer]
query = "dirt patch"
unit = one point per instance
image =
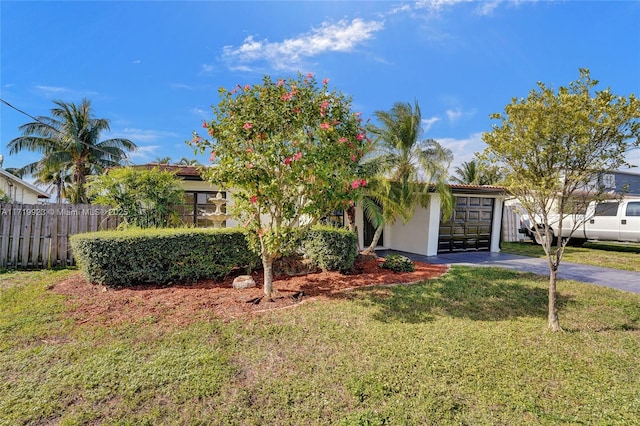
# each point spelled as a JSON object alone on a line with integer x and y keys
{"x": 183, "y": 304}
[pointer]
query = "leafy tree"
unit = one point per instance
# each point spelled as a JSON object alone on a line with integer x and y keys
{"x": 4, "y": 197}
{"x": 289, "y": 149}
{"x": 144, "y": 198}
{"x": 411, "y": 166}
{"x": 553, "y": 146}
{"x": 477, "y": 172}
{"x": 70, "y": 140}
{"x": 162, "y": 160}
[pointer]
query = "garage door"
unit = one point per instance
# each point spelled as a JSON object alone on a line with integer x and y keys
{"x": 469, "y": 228}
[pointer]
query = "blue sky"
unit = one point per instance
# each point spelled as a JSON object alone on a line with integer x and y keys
{"x": 153, "y": 68}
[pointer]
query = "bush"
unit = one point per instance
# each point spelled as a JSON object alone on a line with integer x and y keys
{"x": 160, "y": 256}
{"x": 331, "y": 249}
{"x": 398, "y": 263}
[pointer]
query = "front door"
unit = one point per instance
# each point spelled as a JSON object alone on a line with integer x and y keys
{"x": 367, "y": 233}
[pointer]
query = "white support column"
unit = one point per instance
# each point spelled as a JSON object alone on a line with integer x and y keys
{"x": 434, "y": 225}
{"x": 495, "y": 226}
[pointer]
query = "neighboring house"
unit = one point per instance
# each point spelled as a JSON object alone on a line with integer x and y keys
{"x": 20, "y": 191}
{"x": 620, "y": 182}
{"x": 474, "y": 226}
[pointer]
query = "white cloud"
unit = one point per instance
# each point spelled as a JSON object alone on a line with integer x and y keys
{"x": 455, "y": 115}
{"x": 144, "y": 153}
{"x": 429, "y": 122}
{"x": 207, "y": 69}
{"x": 463, "y": 149}
{"x": 181, "y": 86}
{"x": 202, "y": 113}
{"x": 342, "y": 36}
{"x": 137, "y": 61}
{"x": 141, "y": 135}
{"x": 58, "y": 91}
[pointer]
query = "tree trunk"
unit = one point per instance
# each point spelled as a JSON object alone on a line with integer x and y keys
{"x": 267, "y": 264}
{"x": 554, "y": 323}
{"x": 351, "y": 217}
{"x": 374, "y": 242}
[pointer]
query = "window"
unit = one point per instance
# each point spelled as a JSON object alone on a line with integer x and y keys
{"x": 204, "y": 209}
{"x": 335, "y": 218}
{"x": 607, "y": 209}
{"x": 633, "y": 209}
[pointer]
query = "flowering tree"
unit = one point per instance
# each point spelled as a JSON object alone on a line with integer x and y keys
{"x": 289, "y": 150}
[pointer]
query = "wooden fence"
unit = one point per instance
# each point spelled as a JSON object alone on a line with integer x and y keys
{"x": 37, "y": 235}
{"x": 510, "y": 225}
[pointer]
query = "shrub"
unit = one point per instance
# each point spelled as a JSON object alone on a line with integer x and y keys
{"x": 398, "y": 263}
{"x": 331, "y": 249}
{"x": 161, "y": 256}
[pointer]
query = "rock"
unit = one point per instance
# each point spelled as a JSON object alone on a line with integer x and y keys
{"x": 243, "y": 281}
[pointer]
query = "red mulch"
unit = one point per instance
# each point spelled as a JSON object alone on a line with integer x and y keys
{"x": 182, "y": 304}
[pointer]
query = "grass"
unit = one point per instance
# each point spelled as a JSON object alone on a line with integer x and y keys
{"x": 468, "y": 348}
{"x": 608, "y": 255}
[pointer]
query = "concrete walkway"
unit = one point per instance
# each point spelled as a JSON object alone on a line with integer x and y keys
{"x": 606, "y": 277}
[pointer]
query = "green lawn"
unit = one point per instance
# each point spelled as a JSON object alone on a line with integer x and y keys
{"x": 608, "y": 255}
{"x": 468, "y": 348}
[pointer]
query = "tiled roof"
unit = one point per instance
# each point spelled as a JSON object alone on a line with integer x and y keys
{"x": 179, "y": 170}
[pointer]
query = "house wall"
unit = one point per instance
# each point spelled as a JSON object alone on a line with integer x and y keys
{"x": 18, "y": 193}
{"x": 420, "y": 234}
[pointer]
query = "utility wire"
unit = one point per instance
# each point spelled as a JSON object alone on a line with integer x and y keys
{"x": 45, "y": 124}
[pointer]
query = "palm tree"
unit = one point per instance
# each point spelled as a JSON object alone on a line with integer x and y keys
{"x": 184, "y": 161}
{"x": 162, "y": 160}
{"x": 412, "y": 167}
{"x": 70, "y": 140}
{"x": 476, "y": 172}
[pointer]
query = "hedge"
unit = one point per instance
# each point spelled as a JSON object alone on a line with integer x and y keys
{"x": 331, "y": 249}
{"x": 160, "y": 256}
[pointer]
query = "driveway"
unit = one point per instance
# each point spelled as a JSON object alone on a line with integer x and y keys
{"x": 605, "y": 277}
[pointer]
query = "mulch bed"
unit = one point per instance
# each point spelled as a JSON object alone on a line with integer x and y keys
{"x": 183, "y": 304}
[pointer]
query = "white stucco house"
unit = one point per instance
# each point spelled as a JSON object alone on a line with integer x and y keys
{"x": 474, "y": 226}
{"x": 20, "y": 191}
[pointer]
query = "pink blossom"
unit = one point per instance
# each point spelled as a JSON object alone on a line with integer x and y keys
{"x": 353, "y": 158}
{"x": 342, "y": 140}
{"x": 253, "y": 199}
{"x": 280, "y": 82}
{"x": 212, "y": 156}
{"x": 360, "y": 136}
{"x": 250, "y": 166}
{"x": 287, "y": 161}
{"x": 247, "y": 126}
{"x": 297, "y": 156}
{"x": 325, "y": 126}
{"x": 246, "y": 88}
{"x": 204, "y": 124}
{"x": 363, "y": 182}
{"x": 325, "y": 81}
{"x": 310, "y": 75}
{"x": 355, "y": 184}
{"x": 297, "y": 110}
{"x": 286, "y": 97}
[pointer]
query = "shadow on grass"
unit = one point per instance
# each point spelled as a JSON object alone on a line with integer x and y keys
{"x": 481, "y": 294}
